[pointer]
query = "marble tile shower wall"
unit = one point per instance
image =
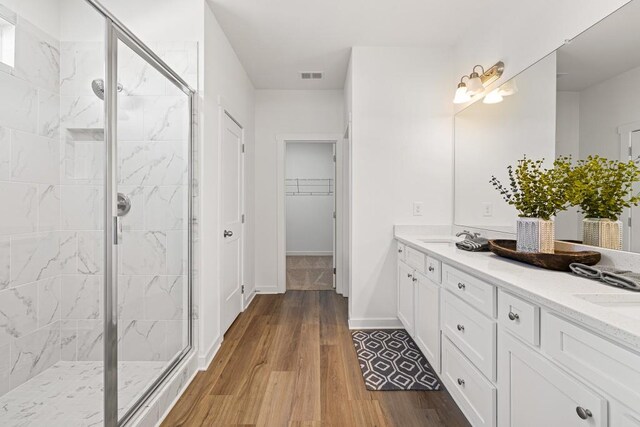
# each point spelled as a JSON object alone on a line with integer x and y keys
{"x": 31, "y": 249}
{"x": 152, "y": 161}
{"x": 51, "y": 246}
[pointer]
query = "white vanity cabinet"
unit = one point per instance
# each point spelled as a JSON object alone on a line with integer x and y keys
{"x": 534, "y": 392}
{"x": 406, "y": 296}
{"x": 509, "y": 361}
{"x": 427, "y": 319}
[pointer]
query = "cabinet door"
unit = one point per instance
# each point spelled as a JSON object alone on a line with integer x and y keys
{"x": 427, "y": 315}
{"x": 405, "y": 296}
{"x": 535, "y": 392}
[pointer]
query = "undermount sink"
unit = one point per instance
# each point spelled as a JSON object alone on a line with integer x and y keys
{"x": 626, "y": 304}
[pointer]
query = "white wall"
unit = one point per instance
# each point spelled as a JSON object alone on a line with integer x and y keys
{"x": 283, "y": 112}
{"x": 568, "y": 144}
{"x": 226, "y": 80}
{"x": 489, "y": 137}
{"x": 309, "y": 219}
{"x": 401, "y": 153}
{"x": 604, "y": 107}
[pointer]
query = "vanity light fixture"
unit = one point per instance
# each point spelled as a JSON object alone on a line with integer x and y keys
{"x": 477, "y": 82}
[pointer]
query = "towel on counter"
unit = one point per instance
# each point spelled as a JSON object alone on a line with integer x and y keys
{"x": 626, "y": 280}
{"x": 594, "y": 271}
{"x": 478, "y": 244}
{"x": 610, "y": 275}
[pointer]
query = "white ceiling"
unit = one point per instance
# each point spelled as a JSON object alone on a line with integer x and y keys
{"x": 607, "y": 49}
{"x": 276, "y": 39}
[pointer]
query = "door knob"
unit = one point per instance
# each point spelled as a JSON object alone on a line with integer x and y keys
{"x": 227, "y": 233}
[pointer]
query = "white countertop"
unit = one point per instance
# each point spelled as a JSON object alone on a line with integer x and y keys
{"x": 552, "y": 289}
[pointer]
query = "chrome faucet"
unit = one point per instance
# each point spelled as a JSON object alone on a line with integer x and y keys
{"x": 468, "y": 235}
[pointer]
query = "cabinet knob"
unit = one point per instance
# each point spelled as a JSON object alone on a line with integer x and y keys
{"x": 461, "y": 286}
{"x": 513, "y": 316}
{"x": 431, "y": 268}
{"x": 583, "y": 413}
{"x": 409, "y": 275}
{"x": 460, "y": 328}
{"x": 399, "y": 251}
{"x": 460, "y": 381}
{"x": 415, "y": 279}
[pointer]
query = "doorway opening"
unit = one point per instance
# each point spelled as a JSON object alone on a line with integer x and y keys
{"x": 309, "y": 232}
{"x": 310, "y": 216}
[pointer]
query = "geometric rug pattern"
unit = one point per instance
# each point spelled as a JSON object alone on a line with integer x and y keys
{"x": 391, "y": 360}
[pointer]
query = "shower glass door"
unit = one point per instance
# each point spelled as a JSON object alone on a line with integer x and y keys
{"x": 151, "y": 224}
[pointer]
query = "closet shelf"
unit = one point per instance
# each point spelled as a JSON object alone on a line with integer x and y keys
{"x": 309, "y": 187}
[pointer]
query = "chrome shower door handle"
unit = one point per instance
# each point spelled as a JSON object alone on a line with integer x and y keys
{"x": 117, "y": 230}
{"x": 124, "y": 204}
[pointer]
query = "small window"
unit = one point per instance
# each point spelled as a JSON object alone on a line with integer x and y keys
{"x": 7, "y": 42}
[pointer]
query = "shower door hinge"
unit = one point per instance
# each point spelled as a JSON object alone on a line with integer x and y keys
{"x": 334, "y": 158}
{"x": 334, "y": 271}
{"x": 630, "y": 151}
{"x": 243, "y": 289}
{"x": 334, "y": 215}
{"x": 242, "y": 218}
{"x": 629, "y": 221}
{"x": 243, "y": 148}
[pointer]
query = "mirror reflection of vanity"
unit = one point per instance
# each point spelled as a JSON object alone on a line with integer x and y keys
{"x": 581, "y": 100}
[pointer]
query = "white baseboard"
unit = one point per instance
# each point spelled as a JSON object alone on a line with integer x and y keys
{"x": 312, "y": 253}
{"x": 267, "y": 290}
{"x": 250, "y": 299}
{"x": 380, "y": 323}
{"x": 205, "y": 361}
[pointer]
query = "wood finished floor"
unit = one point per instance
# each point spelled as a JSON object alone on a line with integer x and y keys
{"x": 310, "y": 273}
{"x": 289, "y": 361}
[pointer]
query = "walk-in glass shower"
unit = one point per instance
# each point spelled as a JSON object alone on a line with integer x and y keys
{"x": 95, "y": 238}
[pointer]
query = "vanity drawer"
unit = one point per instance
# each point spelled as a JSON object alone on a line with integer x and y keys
{"x": 472, "y": 392}
{"x": 519, "y": 317}
{"x": 434, "y": 268}
{"x": 402, "y": 249}
{"x": 473, "y": 333}
{"x": 479, "y": 294}
{"x": 415, "y": 259}
{"x": 614, "y": 369}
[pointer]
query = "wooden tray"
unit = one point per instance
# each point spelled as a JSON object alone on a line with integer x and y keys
{"x": 558, "y": 261}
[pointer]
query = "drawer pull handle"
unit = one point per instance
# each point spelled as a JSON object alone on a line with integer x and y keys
{"x": 583, "y": 413}
{"x": 461, "y": 328}
{"x": 461, "y": 286}
{"x": 431, "y": 268}
{"x": 513, "y": 316}
{"x": 461, "y": 382}
{"x": 415, "y": 279}
{"x": 409, "y": 275}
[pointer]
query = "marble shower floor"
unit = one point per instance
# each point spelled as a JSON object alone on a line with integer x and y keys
{"x": 70, "y": 394}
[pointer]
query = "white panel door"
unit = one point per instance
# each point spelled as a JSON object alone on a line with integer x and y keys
{"x": 231, "y": 219}
{"x": 635, "y": 211}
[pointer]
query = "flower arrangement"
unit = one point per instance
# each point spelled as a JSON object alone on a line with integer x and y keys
{"x": 535, "y": 191}
{"x": 603, "y": 188}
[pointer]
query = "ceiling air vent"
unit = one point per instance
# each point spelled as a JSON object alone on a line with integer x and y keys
{"x": 310, "y": 75}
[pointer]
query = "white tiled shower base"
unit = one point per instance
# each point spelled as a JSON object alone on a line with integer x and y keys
{"x": 70, "y": 394}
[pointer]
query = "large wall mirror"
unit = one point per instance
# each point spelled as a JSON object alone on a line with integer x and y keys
{"x": 583, "y": 99}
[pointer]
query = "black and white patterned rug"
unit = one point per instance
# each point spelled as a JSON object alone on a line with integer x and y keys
{"x": 391, "y": 360}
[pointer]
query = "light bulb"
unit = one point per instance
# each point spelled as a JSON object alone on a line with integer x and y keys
{"x": 462, "y": 95}
{"x": 493, "y": 97}
{"x": 474, "y": 85}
